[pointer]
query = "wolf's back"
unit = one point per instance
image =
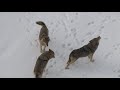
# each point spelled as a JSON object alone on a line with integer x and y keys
{"x": 39, "y": 67}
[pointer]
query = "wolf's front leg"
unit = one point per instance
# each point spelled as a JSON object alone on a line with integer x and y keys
{"x": 44, "y": 48}
{"x": 41, "y": 49}
{"x": 67, "y": 67}
{"x": 91, "y": 57}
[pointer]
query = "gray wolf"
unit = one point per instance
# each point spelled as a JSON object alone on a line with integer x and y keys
{"x": 41, "y": 63}
{"x": 43, "y": 36}
{"x": 86, "y": 50}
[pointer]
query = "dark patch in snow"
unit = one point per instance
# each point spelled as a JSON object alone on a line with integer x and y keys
{"x": 102, "y": 27}
{"x": 118, "y": 71}
{"x": 118, "y": 75}
{"x": 106, "y": 38}
{"x": 71, "y": 49}
{"x": 90, "y": 23}
{"x": 107, "y": 55}
{"x": 76, "y": 13}
{"x": 72, "y": 21}
{"x": 69, "y": 44}
{"x": 83, "y": 41}
{"x": 51, "y": 23}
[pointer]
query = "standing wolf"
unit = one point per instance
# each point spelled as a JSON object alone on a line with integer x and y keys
{"x": 87, "y": 50}
{"x": 43, "y": 36}
{"x": 42, "y": 62}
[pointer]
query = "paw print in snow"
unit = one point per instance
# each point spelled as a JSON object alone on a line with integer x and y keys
{"x": 72, "y": 21}
{"x": 68, "y": 44}
{"x": 90, "y": 23}
{"x": 108, "y": 55}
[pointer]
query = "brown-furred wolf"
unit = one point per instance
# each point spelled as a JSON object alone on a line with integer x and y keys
{"x": 43, "y": 36}
{"x": 41, "y": 63}
{"x": 86, "y": 50}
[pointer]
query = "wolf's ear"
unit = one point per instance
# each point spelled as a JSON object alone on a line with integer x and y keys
{"x": 50, "y": 50}
{"x": 48, "y": 39}
{"x": 99, "y": 37}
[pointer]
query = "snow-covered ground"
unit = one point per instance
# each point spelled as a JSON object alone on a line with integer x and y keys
{"x": 19, "y": 46}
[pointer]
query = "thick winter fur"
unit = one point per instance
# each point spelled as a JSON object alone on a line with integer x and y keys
{"x": 43, "y": 36}
{"x": 42, "y": 63}
{"x": 87, "y": 50}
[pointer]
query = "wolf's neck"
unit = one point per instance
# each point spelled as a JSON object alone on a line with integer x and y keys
{"x": 49, "y": 55}
{"x": 44, "y": 26}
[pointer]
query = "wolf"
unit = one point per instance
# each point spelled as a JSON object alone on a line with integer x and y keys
{"x": 86, "y": 50}
{"x": 43, "y": 36}
{"x": 41, "y": 63}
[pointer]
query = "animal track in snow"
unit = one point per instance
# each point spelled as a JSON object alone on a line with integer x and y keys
{"x": 31, "y": 44}
{"x": 55, "y": 62}
{"x": 72, "y": 21}
{"x": 90, "y": 23}
{"x": 73, "y": 30}
{"x": 74, "y": 34}
{"x": 19, "y": 19}
{"x": 77, "y": 41}
{"x": 104, "y": 20}
{"x": 37, "y": 34}
{"x": 71, "y": 49}
{"x": 76, "y": 13}
{"x": 51, "y": 23}
{"x": 118, "y": 71}
{"x": 116, "y": 46}
{"x": 56, "y": 25}
{"x": 69, "y": 35}
{"x": 57, "y": 53}
{"x": 108, "y": 17}
{"x": 68, "y": 44}
{"x": 108, "y": 55}
{"x": 105, "y": 38}
{"x": 89, "y": 33}
{"x": 118, "y": 75}
{"x": 113, "y": 20}
{"x": 83, "y": 41}
{"x": 50, "y": 66}
{"x": 101, "y": 27}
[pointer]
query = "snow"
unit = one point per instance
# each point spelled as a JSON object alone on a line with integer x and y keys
{"x": 19, "y": 45}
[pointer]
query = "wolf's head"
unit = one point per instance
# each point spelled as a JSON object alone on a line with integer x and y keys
{"x": 95, "y": 40}
{"x": 51, "y": 53}
{"x": 40, "y": 23}
{"x": 98, "y": 39}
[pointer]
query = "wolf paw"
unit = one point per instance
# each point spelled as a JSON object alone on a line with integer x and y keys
{"x": 93, "y": 60}
{"x": 66, "y": 67}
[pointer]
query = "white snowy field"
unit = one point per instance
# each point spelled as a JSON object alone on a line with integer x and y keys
{"x": 19, "y": 46}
